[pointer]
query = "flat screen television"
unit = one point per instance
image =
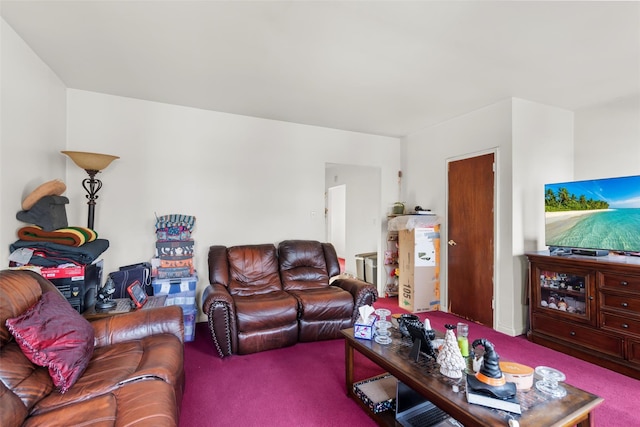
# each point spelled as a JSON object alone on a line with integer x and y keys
{"x": 596, "y": 214}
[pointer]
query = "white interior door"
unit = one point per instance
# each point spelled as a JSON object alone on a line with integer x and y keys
{"x": 337, "y": 218}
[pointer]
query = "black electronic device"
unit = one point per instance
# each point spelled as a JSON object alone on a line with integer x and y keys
{"x": 594, "y": 216}
{"x": 421, "y": 340}
{"x": 137, "y": 293}
{"x": 80, "y": 291}
{"x": 589, "y": 252}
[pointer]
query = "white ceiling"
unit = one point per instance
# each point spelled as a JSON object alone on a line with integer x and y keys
{"x": 380, "y": 67}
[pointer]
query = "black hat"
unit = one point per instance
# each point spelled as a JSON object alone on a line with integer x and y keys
{"x": 489, "y": 379}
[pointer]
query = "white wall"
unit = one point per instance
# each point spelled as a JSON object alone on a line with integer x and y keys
{"x": 513, "y": 129}
{"x": 542, "y": 143}
{"x": 608, "y": 140}
{"x": 33, "y": 129}
{"x": 246, "y": 180}
{"x": 425, "y": 174}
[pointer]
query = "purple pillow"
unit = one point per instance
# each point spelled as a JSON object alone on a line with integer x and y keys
{"x": 54, "y": 335}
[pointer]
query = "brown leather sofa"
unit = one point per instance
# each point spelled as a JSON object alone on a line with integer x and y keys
{"x": 134, "y": 376}
{"x": 261, "y": 297}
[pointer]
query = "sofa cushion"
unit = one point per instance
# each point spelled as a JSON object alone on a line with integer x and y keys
{"x": 302, "y": 265}
{"x": 143, "y": 403}
{"x": 253, "y": 270}
{"x": 324, "y": 304}
{"x": 29, "y": 382}
{"x": 266, "y": 311}
{"x": 156, "y": 356}
{"x": 52, "y": 334}
{"x": 324, "y": 312}
{"x": 13, "y": 410}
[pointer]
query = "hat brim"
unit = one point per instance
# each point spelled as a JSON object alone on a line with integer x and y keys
{"x": 504, "y": 391}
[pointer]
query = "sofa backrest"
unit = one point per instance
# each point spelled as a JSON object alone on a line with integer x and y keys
{"x": 306, "y": 264}
{"x": 19, "y": 290}
{"x": 22, "y": 384}
{"x": 253, "y": 269}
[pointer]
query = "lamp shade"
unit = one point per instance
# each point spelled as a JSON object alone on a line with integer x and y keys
{"x": 90, "y": 161}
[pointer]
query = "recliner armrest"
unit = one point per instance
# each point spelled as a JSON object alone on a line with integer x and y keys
{"x": 219, "y": 307}
{"x": 139, "y": 324}
{"x": 363, "y": 293}
{"x": 215, "y": 292}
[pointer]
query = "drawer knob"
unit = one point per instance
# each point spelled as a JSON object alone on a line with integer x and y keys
{"x": 591, "y": 298}
{"x": 625, "y": 326}
{"x": 624, "y": 304}
{"x": 572, "y": 333}
{"x": 624, "y": 283}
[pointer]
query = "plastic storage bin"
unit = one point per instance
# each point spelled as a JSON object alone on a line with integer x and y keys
{"x": 360, "y": 264}
{"x": 180, "y": 292}
{"x": 190, "y": 315}
{"x": 371, "y": 269}
{"x": 184, "y": 299}
{"x": 174, "y": 286}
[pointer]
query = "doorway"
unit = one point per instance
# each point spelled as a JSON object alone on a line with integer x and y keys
{"x": 361, "y": 212}
{"x": 337, "y": 218}
{"x": 470, "y": 255}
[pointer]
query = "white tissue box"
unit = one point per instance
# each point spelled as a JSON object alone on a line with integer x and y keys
{"x": 364, "y": 330}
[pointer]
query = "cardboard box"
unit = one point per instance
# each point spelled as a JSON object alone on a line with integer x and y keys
{"x": 378, "y": 393}
{"x": 364, "y": 330}
{"x": 419, "y": 264}
{"x": 72, "y": 271}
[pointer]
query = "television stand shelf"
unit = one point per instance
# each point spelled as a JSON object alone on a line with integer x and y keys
{"x": 587, "y": 307}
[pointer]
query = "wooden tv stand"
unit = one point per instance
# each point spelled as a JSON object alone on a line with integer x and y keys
{"x": 587, "y": 307}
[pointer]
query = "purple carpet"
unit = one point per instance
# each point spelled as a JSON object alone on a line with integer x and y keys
{"x": 304, "y": 385}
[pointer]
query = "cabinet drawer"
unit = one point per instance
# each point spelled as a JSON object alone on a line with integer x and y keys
{"x": 622, "y": 324}
{"x": 620, "y": 282}
{"x": 582, "y": 335}
{"x": 617, "y": 302}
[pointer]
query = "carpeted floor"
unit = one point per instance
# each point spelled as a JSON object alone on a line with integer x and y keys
{"x": 304, "y": 385}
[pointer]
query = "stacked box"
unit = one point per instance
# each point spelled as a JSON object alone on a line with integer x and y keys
{"x": 419, "y": 263}
{"x": 173, "y": 269}
{"x": 180, "y": 291}
{"x": 174, "y": 259}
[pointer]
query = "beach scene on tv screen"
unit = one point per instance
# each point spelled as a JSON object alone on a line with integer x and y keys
{"x": 594, "y": 214}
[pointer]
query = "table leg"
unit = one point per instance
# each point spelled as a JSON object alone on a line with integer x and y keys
{"x": 587, "y": 422}
{"x": 348, "y": 362}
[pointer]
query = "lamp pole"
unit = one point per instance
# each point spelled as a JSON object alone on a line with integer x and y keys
{"x": 92, "y": 185}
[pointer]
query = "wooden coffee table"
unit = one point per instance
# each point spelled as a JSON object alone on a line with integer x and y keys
{"x": 424, "y": 377}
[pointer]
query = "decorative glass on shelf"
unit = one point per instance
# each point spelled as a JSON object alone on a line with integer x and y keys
{"x": 563, "y": 292}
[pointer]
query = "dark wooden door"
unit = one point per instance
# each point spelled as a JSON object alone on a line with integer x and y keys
{"x": 471, "y": 234}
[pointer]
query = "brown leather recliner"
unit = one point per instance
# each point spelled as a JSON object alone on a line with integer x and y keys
{"x": 135, "y": 375}
{"x": 260, "y": 298}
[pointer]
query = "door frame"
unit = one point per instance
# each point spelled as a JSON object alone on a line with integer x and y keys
{"x": 444, "y": 293}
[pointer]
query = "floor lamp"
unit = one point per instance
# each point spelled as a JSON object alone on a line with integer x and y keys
{"x": 92, "y": 163}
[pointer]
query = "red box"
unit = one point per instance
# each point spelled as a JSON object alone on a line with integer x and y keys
{"x": 62, "y": 273}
